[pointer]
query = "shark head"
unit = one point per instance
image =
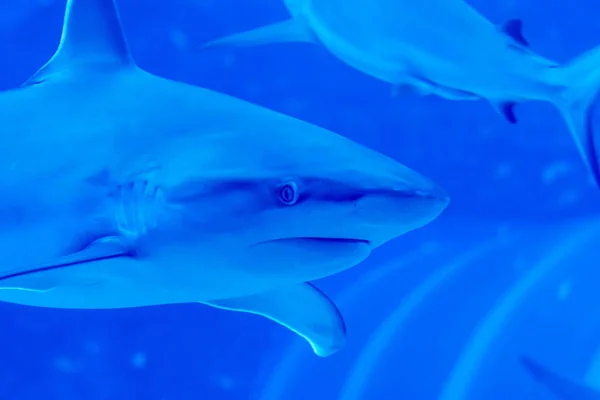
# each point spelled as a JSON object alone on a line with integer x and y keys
{"x": 299, "y": 200}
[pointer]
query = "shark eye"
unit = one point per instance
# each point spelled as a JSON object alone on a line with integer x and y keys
{"x": 288, "y": 193}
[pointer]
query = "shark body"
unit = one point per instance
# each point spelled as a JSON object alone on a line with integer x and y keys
{"x": 444, "y": 48}
{"x": 119, "y": 188}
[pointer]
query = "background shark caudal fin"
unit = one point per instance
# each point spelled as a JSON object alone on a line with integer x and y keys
{"x": 302, "y": 308}
{"x": 581, "y": 80}
{"x": 92, "y": 39}
{"x": 291, "y": 30}
{"x": 562, "y": 387}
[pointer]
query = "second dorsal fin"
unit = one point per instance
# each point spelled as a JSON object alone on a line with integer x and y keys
{"x": 92, "y": 40}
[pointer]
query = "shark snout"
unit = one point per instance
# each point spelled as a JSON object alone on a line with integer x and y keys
{"x": 401, "y": 205}
{"x": 410, "y": 203}
{"x": 433, "y": 193}
{"x": 405, "y": 184}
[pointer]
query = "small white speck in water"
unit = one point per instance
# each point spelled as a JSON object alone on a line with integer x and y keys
{"x": 503, "y": 171}
{"x": 430, "y": 247}
{"x": 64, "y": 364}
{"x": 555, "y": 171}
{"x": 179, "y": 39}
{"x": 225, "y": 382}
{"x": 92, "y": 348}
{"x": 564, "y": 290}
{"x": 139, "y": 360}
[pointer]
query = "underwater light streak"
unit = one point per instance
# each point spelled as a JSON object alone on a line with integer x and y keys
{"x": 461, "y": 377}
{"x": 358, "y": 378}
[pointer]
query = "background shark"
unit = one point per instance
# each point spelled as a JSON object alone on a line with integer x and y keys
{"x": 446, "y": 48}
{"x": 134, "y": 190}
{"x": 562, "y": 387}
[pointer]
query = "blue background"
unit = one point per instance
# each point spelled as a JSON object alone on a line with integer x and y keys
{"x": 444, "y": 312}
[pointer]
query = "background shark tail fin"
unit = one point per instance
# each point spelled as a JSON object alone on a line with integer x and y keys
{"x": 562, "y": 387}
{"x": 580, "y": 79}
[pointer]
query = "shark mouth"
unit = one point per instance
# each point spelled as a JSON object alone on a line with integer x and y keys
{"x": 319, "y": 239}
{"x": 335, "y": 240}
{"x": 325, "y": 255}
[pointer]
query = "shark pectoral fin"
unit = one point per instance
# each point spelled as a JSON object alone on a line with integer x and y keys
{"x": 302, "y": 308}
{"x": 514, "y": 29}
{"x": 92, "y": 39}
{"x": 291, "y": 30}
{"x": 506, "y": 109}
{"x": 563, "y": 387}
{"x": 97, "y": 251}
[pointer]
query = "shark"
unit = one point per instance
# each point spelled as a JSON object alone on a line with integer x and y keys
{"x": 444, "y": 48}
{"x": 123, "y": 189}
{"x": 561, "y": 386}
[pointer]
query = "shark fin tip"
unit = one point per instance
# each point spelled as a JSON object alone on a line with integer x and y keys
{"x": 303, "y": 309}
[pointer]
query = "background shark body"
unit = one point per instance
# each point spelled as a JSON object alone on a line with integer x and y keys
{"x": 562, "y": 387}
{"x": 446, "y": 48}
{"x": 136, "y": 190}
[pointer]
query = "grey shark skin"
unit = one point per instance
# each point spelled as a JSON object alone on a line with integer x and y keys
{"x": 123, "y": 189}
{"x": 562, "y": 387}
{"x": 446, "y": 48}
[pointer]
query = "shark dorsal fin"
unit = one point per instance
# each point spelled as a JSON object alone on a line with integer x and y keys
{"x": 92, "y": 41}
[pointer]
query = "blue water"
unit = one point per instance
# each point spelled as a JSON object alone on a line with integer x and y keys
{"x": 443, "y": 313}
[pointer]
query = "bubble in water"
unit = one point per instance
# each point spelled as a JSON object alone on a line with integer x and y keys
{"x": 64, "y": 364}
{"x": 564, "y": 290}
{"x": 139, "y": 360}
